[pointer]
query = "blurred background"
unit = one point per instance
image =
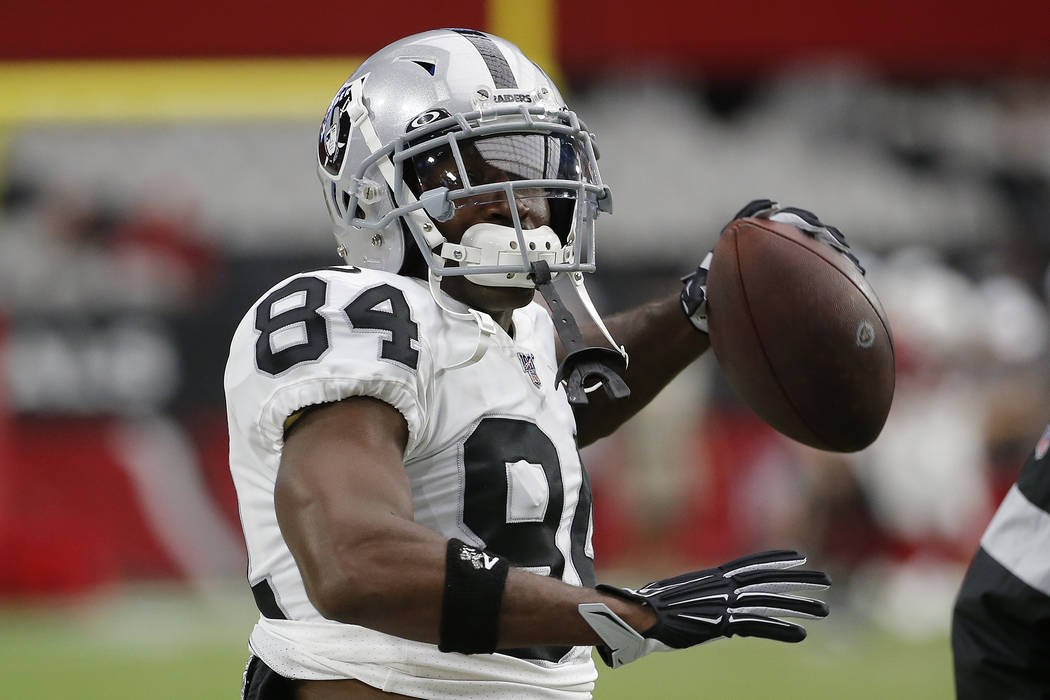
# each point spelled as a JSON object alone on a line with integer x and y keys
{"x": 157, "y": 175}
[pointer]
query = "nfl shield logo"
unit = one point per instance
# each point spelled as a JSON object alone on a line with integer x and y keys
{"x": 1043, "y": 445}
{"x": 528, "y": 363}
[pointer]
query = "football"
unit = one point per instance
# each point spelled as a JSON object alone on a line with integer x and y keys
{"x": 800, "y": 335}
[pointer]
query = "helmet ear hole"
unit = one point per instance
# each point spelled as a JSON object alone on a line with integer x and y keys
{"x": 359, "y": 213}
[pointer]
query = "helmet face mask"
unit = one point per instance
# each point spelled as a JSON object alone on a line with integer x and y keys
{"x": 474, "y": 170}
{"x": 455, "y": 141}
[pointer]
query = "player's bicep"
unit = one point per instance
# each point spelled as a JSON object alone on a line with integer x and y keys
{"x": 341, "y": 482}
{"x": 350, "y": 451}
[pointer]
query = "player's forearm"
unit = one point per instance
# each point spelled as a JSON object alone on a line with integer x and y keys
{"x": 535, "y": 606}
{"x": 390, "y": 581}
{"x": 402, "y": 594}
{"x": 661, "y": 343}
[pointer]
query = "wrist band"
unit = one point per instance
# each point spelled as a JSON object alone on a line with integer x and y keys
{"x": 694, "y": 295}
{"x": 470, "y": 606}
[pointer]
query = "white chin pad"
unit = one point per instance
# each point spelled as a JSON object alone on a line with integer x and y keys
{"x": 491, "y": 244}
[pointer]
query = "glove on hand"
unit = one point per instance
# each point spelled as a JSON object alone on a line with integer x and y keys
{"x": 743, "y": 597}
{"x": 694, "y": 290}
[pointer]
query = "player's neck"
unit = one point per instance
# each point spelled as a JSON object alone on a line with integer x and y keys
{"x": 498, "y": 302}
{"x": 505, "y": 320}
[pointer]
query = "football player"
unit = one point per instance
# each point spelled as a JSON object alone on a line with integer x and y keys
{"x": 404, "y": 428}
{"x": 1001, "y": 621}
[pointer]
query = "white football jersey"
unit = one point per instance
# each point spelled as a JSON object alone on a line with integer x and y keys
{"x": 491, "y": 457}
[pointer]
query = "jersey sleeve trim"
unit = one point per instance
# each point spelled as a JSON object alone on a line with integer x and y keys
{"x": 319, "y": 390}
{"x": 293, "y": 419}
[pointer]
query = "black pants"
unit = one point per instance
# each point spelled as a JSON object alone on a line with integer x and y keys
{"x": 263, "y": 683}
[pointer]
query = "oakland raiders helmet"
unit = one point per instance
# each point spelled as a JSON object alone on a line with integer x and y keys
{"x": 452, "y": 118}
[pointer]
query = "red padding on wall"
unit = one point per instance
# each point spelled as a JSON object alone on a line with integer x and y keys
{"x": 61, "y": 29}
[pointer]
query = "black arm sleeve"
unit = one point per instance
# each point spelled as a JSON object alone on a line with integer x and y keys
{"x": 1000, "y": 635}
{"x": 1001, "y": 625}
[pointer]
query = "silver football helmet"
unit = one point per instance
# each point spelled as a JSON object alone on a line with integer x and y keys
{"x": 453, "y": 118}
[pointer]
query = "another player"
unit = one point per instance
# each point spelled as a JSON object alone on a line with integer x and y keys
{"x": 1001, "y": 625}
{"x": 405, "y": 453}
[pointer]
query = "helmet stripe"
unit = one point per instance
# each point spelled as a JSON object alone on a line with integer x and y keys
{"x": 499, "y": 69}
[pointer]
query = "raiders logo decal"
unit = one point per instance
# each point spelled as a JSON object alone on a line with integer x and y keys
{"x": 335, "y": 129}
{"x": 331, "y": 139}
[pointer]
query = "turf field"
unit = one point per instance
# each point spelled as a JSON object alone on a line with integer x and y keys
{"x": 163, "y": 645}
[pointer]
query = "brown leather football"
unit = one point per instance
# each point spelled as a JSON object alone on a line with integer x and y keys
{"x": 800, "y": 335}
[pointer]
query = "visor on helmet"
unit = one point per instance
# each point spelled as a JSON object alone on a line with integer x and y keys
{"x": 476, "y": 172}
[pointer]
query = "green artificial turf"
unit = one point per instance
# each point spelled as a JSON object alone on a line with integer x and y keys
{"x": 161, "y": 645}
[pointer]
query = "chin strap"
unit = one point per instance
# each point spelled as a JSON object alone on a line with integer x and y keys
{"x": 582, "y": 364}
{"x": 487, "y": 327}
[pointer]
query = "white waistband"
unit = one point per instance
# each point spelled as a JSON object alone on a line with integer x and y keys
{"x": 330, "y": 651}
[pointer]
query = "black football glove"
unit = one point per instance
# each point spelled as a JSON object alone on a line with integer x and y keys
{"x": 694, "y": 289}
{"x": 743, "y": 597}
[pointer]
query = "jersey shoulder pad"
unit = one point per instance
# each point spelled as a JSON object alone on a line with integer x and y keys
{"x": 323, "y": 336}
